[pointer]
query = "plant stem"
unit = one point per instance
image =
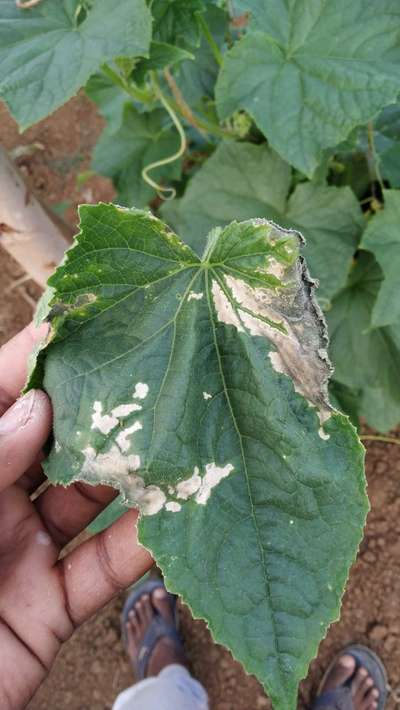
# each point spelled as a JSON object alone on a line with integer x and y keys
{"x": 184, "y": 108}
{"x": 180, "y": 106}
{"x": 210, "y": 39}
{"x": 384, "y": 439}
{"x": 373, "y": 157}
{"x": 134, "y": 92}
{"x": 171, "y": 158}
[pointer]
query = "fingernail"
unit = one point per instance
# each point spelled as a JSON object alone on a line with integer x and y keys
{"x": 19, "y": 414}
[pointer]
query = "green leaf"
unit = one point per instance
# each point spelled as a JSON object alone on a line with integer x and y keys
{"x": 366, "y": 359}
{"x": 196, "y": 79}
{"x": 242, "y": 180}
{"x": 45, "y": 56}
{"x": 161, "y": 55}
{"x": 121, "y": 155}
{"x": 175, "y": 22}
{"x": 387, "y": 143}
{"x": 196, "y": 388}
{"x": 308, "y": 77}
{"x": 109, "y": 98}
{"x": 382, "y": 238}
{"x": 108, "y": 516}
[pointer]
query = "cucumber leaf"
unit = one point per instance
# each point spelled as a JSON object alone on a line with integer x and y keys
{"x": 175, "y": 22}
{"x": 121, "y": 154}
{"x": 46, "y": 55}
{"x": 375, "y": 351}
{"x": 198, "y": 388}
{"x": 382, "y": 238}
{"x": 306, "y": 76}
{"x": 242, "y": 180}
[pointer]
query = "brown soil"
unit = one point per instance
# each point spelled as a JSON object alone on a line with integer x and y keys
{"x": 91, "y": 669}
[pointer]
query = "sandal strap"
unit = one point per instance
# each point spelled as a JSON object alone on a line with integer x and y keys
{"x": 336, "y": 699}
{"x": 159, "y": 628}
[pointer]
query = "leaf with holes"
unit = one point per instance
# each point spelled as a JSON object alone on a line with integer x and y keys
{"x": 198, "y": 388}
{"x": 307, "y": 78}
{"x": 48, "y": 52}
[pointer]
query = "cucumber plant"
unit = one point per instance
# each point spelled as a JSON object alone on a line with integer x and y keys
{"x": 192, "y": 371}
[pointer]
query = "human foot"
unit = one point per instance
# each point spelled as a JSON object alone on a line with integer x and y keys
{"x": 365, "y": 695}
{"x": 150, "y": 653}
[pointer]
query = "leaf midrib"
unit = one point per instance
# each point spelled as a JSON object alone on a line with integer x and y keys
{"x": 247, "y": 478}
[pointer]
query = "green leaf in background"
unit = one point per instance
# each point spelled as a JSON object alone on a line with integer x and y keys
{"x": 175, "y": 22}
{"x": 382, "y": 238}
{"x": 242, "y": 180}
{"x": 387, "y": 142}
{"x": 109, "y": 98}
{"x": 161, "y": 55}
{"x": 46, "y": 56}
{"x": 199, "y": 389}
{"x": 196, "y": 79}
{"x": 121, "y": 155}
{"x": 309, "y": 73}
{"x": 366, "y": 359}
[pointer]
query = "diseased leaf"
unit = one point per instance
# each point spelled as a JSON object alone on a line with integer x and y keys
{"x": 121, "y": 155}
{"x": 46, "y": 56}
{"x": 242, "y": 180}
{"x": 382, "y": 238}
{"x": 366, "y": 359}
{"x": 307, "y": 77}
{"x": 199, "y": 389}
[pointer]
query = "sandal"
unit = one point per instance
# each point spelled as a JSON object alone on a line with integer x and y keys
{"x": 158, "y": 628}
{"x": 340, "y": 698}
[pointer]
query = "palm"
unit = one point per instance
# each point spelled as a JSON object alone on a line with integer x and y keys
{"x": 44, "y": 597}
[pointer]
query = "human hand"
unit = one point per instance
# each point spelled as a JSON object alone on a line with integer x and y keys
{"x": 44, "y": 598}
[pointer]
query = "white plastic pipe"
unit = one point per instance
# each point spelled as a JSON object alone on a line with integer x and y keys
{"x": 26, "y": 230}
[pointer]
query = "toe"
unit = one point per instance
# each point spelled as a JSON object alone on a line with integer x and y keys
{"x": 363, "y": 689}
{"x": 370, "y": 699}
{"x": 162, "y": 604}
{"x": 340, "y": 673}
{"x": 139, "y": 609}
{"x": 358, "y": 681}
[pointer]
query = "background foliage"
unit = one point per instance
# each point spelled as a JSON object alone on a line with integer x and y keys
{"x": 288, "y": 114}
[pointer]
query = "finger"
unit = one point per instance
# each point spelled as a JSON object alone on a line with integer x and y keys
{"x": 67, "y": 511}
{"x": 103, "y": 566}
{"x": 24, "y": 429}
{"x": 34, "y": 476}
{"x": 14, "y": 363}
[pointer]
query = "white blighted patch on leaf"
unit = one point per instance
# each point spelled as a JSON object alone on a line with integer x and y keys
{"x": 224, "y": 309}
{"x": 275, "y": 268}
{"x": 103, "y": 422}
{"x": 297, "y": 336}
{"x": 173, "y": 507}
{"x": 151, "y": 500}
{"x": 323, "y": 434}
{"x": 207, "y": 395}
{"x": 122, "y": 438}
{"x": 123, "y": 410}
{"x": 214, "y": 474}
{"x": 195, "y": 296}
{"x": 141, "y": 390}
{"x": 186, "y": 488}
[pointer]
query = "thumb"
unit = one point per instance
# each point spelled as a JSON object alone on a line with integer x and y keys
{"x": 24, "y": 429}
